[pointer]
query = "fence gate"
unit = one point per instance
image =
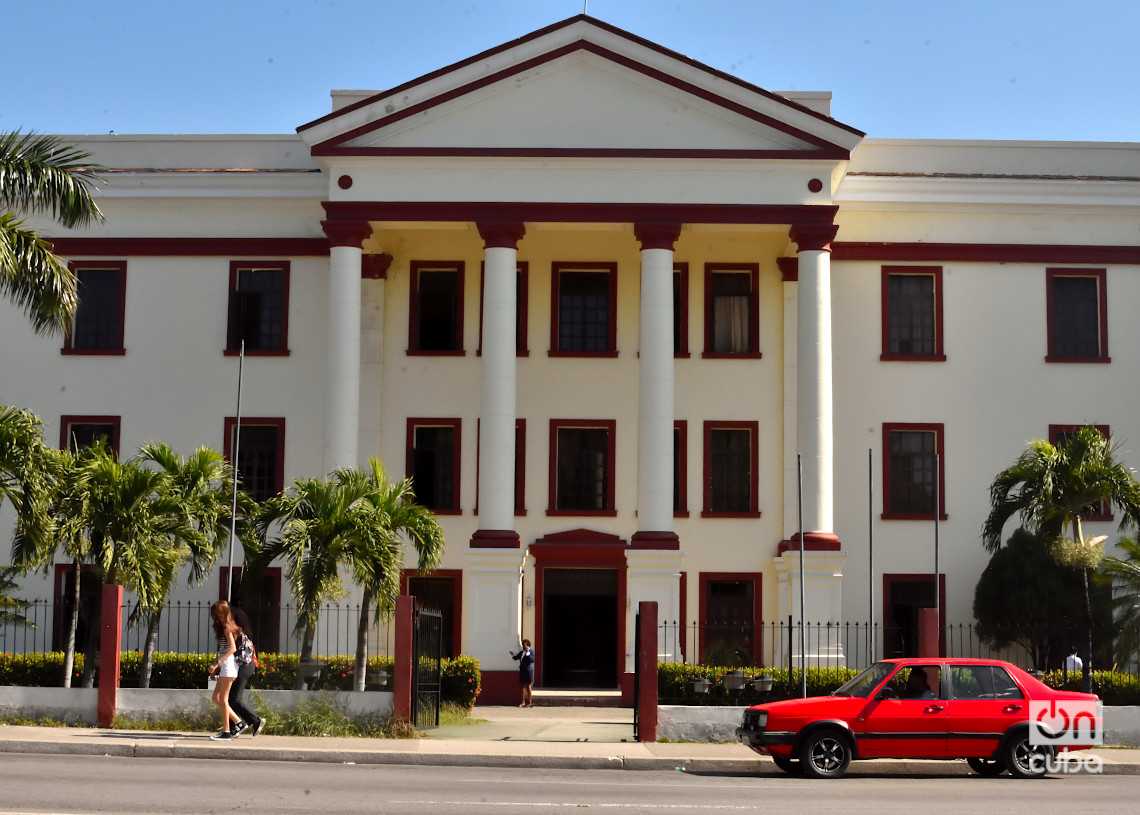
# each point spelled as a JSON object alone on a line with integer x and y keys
{"x": 427, "y": 658}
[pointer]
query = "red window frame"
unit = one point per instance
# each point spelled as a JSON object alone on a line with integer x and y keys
{"x": 417, "y": 266}
{"x": 233, "y": 345}
{"x": 681, "y": 311}
{"x": 934, "y": 272}
{"x": 610, "y": 427}
{"x": 67, "y": 421}
{"x": 78, "y": 266}
{"x": 938, "y": 429}
{"x": 753, "y": 428}
{"x": 753, "y": 269}
{"x": 1101, "y": 277}
{"x": 557, "y": 269}
{"x": 258, "y": 421}
{"x": 409, "y": 460}
{"x": 681, "y": 469}
{"x": 757, "y": 581}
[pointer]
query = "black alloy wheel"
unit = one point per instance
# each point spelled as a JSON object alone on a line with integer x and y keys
{"x": 825, "y": 754}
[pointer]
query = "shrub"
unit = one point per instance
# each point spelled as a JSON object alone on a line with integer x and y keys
{"x": 675, "y": 683}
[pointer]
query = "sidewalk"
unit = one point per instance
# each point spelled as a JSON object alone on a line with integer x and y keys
{"x": 549, "y": 738}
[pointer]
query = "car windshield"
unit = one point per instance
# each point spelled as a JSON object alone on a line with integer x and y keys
{"x": 866, "y": 681}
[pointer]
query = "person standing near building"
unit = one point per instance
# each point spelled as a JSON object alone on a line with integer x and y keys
{"x": 1073, "y": 663}
{"x": 525, "y": 659}
{"x": 226, "y": 630}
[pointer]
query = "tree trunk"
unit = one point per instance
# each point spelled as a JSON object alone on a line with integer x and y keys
{"x": 362, "y": 641}
{"x": 147, "y": 663}
{"x": 72, "y": 627}
{"x": 91, "y": 647}
{"x": 306, "y": 653}
{"x": 1087, "y": 667}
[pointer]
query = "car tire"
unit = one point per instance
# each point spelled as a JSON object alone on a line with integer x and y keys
{"x": 791, "y": 766}
{"x": 986, "y": 766}
{"x": 1023, "y": 759}
{"x": 825, "y": 754}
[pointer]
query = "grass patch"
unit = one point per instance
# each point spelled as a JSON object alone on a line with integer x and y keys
{"x": 31, "y": 721}
{"x": 453, "y": 714}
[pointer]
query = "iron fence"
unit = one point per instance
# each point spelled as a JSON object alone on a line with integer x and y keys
{"x": 185, "y": 627}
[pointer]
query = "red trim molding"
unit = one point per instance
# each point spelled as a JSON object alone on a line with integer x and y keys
{"x": 655, "y": 540}
{"x": 789, "y": 269}
{"x": 812, "y": 542}
{"x": 375, "y": 267}
{"x": 985, "y": 253}
{"x": 813, "y": 237}
{"x": 343, "y": 233}
{"x": 191, "y": 247}
{"x": 657, "y": 235}
{"x": 501, "y": 234}
{"x": 495, "y": 539}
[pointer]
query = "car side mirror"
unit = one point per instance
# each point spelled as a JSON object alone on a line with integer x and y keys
{"x": 887, "y": 693}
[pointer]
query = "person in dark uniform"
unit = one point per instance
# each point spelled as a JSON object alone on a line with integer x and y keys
{"x": 525, "y": 659}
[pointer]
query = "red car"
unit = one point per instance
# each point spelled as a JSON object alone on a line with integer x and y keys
{"x": 976, "y": 709}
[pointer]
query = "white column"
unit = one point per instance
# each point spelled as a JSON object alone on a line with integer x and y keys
{"x": 655, "y": 389}
{"x": 813, "y": 380}
{"x": 342, "y": 369}
{"x": 498, "y": 387}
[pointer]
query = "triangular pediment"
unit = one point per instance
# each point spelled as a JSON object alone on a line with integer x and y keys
{"x": 579, "y": 88}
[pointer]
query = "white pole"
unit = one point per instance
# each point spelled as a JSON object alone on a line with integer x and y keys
{"x": 870, "y": 560}
{"x": 803, "y": 632}
{"x": 937, "y": 587}
{"x": 234, "y": 460}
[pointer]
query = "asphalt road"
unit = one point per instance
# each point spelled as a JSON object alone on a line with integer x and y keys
{"x": 63, "y": 785}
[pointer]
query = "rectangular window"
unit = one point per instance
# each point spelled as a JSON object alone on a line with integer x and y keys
{"x": 99, "y": 318}
{"x": 442, "y": 591}
{"x": 584, "y": 309}
{"x": 433, "y": 463}
{"x": 260, "y": 455}
{"x": 729, "y": 612}
{"x": 78, "y": 432}
{"x": 681, "y": 310}
{"x": 1077, "y": 315}
{"x": 522, "y": 276}
{"x": 582, "y": 471}
{"x": 913, "y": 463}
{"x": 436, "y": 325}
{"x": 1058, "y": 436}
{"x": 259, "y": 600}
{"x": 731, "y": 462}
{"x": 259, "y": 307}
{"x": 680, "y": 468}
{"x": 732, "y": 310}
{"x": 912, "y": 313}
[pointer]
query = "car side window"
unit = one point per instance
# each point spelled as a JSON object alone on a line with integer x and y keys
{"x": 917, "y": 682}
{"x": 1004, "y": 686}
{"x": 971, "y": 682}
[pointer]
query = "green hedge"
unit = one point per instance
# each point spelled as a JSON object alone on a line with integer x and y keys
{"x": 460, "y": 680}
{"x": 675, "y": 684}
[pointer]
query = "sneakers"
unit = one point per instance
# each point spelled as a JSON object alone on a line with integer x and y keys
{"x": 257, "y": 728}
{"x": 237, "y": 729}
{"x": 222, "y": 735}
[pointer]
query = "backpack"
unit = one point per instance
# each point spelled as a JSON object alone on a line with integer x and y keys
{"x": 244, "y": 655}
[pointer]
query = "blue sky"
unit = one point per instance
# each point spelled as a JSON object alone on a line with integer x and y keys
{"x": 1002, "y": 69}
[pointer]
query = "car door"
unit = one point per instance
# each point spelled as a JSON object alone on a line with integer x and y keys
{"x": 984, "y": 702}
{"x": 898, "y": 725}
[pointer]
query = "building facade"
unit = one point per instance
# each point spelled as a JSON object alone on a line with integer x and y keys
{"x": 630, "y": 323}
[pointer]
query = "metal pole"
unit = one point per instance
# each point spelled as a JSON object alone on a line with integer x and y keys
{"x": 803, "y": 632}
{"x": 937, "y": 587}
{"x": 870, "y": 561}
{"x": 234, "y": 460}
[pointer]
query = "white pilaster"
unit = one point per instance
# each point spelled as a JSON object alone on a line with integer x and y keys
{"x": 498, "y": 386}
{"x": 655, "y": 575}
{"x": 655, "y": 395}
{"x": 823, "y": 605}
{"x": 342, "y": 368}
{"x": 814, "y": 395}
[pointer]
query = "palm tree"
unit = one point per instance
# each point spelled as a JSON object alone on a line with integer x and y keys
{"x": 40, "y": 174}
{"x": 28, "y": 468}
{"x": 1126, "y": 574}
{"x": 378, "y": 560}
{"x": 1052, "y": 488}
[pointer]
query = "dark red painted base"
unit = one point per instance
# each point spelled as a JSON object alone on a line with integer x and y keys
{"x": 813, "y": 542}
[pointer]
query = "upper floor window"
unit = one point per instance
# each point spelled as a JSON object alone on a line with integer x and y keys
{"x": 912, "y": 313}
{"x": 77, "y": 432}
{"x": 913, "y": 465}
{"x": 582, "y": 467}
{"x": 522, "y": 278}
{"x": 584, "y": 309}
{"x": 259, "y": 307}
{"x": 260, "y": 455}
{"x": 732, "y": 459}
{"x": 436, "y": 324}
{"x": 433, "y": 463}
{"x": 681, "y": 309}
{"x": 1077, "y": 304}
{"x": 98, "y": 324}
{"x": 732, "y": 310}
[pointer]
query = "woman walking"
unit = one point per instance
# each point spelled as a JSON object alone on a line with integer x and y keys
{"x": 226, "y": 630}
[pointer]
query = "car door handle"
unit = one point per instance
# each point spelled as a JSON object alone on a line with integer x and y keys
{"x": 933, "y": 709}
{"x": 1011, "y": 709}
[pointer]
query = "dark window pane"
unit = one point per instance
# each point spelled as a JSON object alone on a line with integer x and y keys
{"x": 80, "y": 436}
{"x": 731, "y": 470}
{"x": 97, "y": 317}
{"x": 731, "y": 312}
{"x": 437, "y": 300}
{"x": 912, "y": 318}
{"x": 258, "y": 310}
{"x": 912, "y": 472}
{"x": 1076, "y": 317}
{"x": 677, "y": 323}
{"x": 582, "y": 469}
{"x": 258, "y": 465}
{"x": 584, "y": 311}
{"x": 433, "y": 467}
{"x": 677, "y": 474}
{"x": 438, "y": 593}
{"x": 729, "y": 621}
